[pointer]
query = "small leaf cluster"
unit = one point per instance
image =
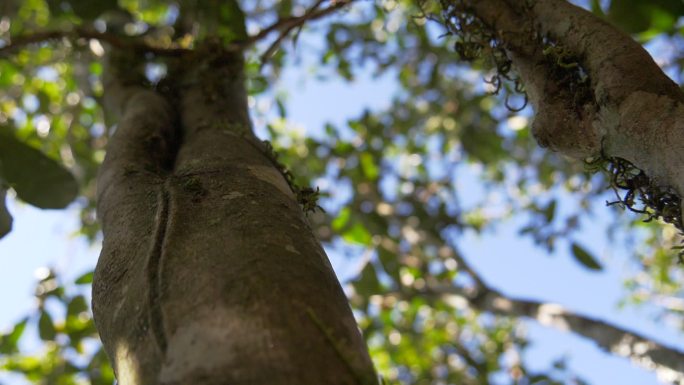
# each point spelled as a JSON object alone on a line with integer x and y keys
{"x": 65, "y": 326}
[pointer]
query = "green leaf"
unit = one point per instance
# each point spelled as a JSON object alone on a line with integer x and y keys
{"x": 224, "y": 19}
{"x": 596, "y": 8}
{"x": 76, "y": 326}
{"x": 89, "y": 10}
{"x": 257, "y": 85}
{"x": 84, "y": 279}
{"x": 481, "y": 145}
{"x": 46, "y": 328}
{"x": 5, "y": 217}
{"x": 76, "y": 306}
{"x": 9, "y": 342}
{"x": 632, "y": 16}
{"x": 638, "y": 16}
{"x": 550, "y": 211}
{"x": 357, "y": 234}
{"x": 390, "y": 264}
{"x": 85, "y": 9}
{"x": 233, "y": 21}
{"x": 368, "y": 166}
{"x": 582, "y": 256}
{"x": 37, "y": 179}
{"x": 99, "y": 370}
{"x": 342, "y": 219}
{"x": 367, "y": 283}
{"x": 282, "y": 111}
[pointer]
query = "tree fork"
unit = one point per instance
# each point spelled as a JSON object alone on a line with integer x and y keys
{"x": 209, "y": 272}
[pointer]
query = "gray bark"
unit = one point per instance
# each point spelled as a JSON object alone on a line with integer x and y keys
{"x": 635, "y": 111}
{"x": 209, "y": 272}
{"x": 666, "y": 361}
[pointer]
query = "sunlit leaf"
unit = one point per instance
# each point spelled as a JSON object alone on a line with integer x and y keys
{"x": 342, "y": 219}
{"x": 357, "y": 234}
{"x": 370, "y": 169}
{"x": 85, "y": 279}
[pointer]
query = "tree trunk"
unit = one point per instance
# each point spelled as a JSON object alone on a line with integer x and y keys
{"x": 209, "y": 272}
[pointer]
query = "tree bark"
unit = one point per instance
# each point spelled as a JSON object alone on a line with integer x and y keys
{"x": 210, "y": 273}
{"x": 632, "y": 110}
{"x": 666, "y": 361}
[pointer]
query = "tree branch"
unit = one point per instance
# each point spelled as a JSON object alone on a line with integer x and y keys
{"x": 619, "y": 65}
{"x": 130, "y": 43}
{"x": 288, "y": 24}
{"x": 563, "y": 122}
{"x": 284, "y": 25}
{"x": 667, "y": 362}
{"x": 596, "y": 92}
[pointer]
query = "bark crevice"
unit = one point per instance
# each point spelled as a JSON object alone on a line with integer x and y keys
{"x": 154, "y": 263}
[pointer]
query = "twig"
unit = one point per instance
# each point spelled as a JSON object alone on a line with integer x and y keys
{"x": 287, "y": 25}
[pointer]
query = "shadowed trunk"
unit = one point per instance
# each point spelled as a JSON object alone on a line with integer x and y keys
{"x": 209, "y": 272}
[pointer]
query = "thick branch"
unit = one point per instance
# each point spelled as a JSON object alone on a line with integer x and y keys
{"x": 619, "y": 66}
{"x": 641, "y": 110}
{"x": 560, "y": 123}
{"x": 625, "y": 108}
{"x": 667, "y": 362}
